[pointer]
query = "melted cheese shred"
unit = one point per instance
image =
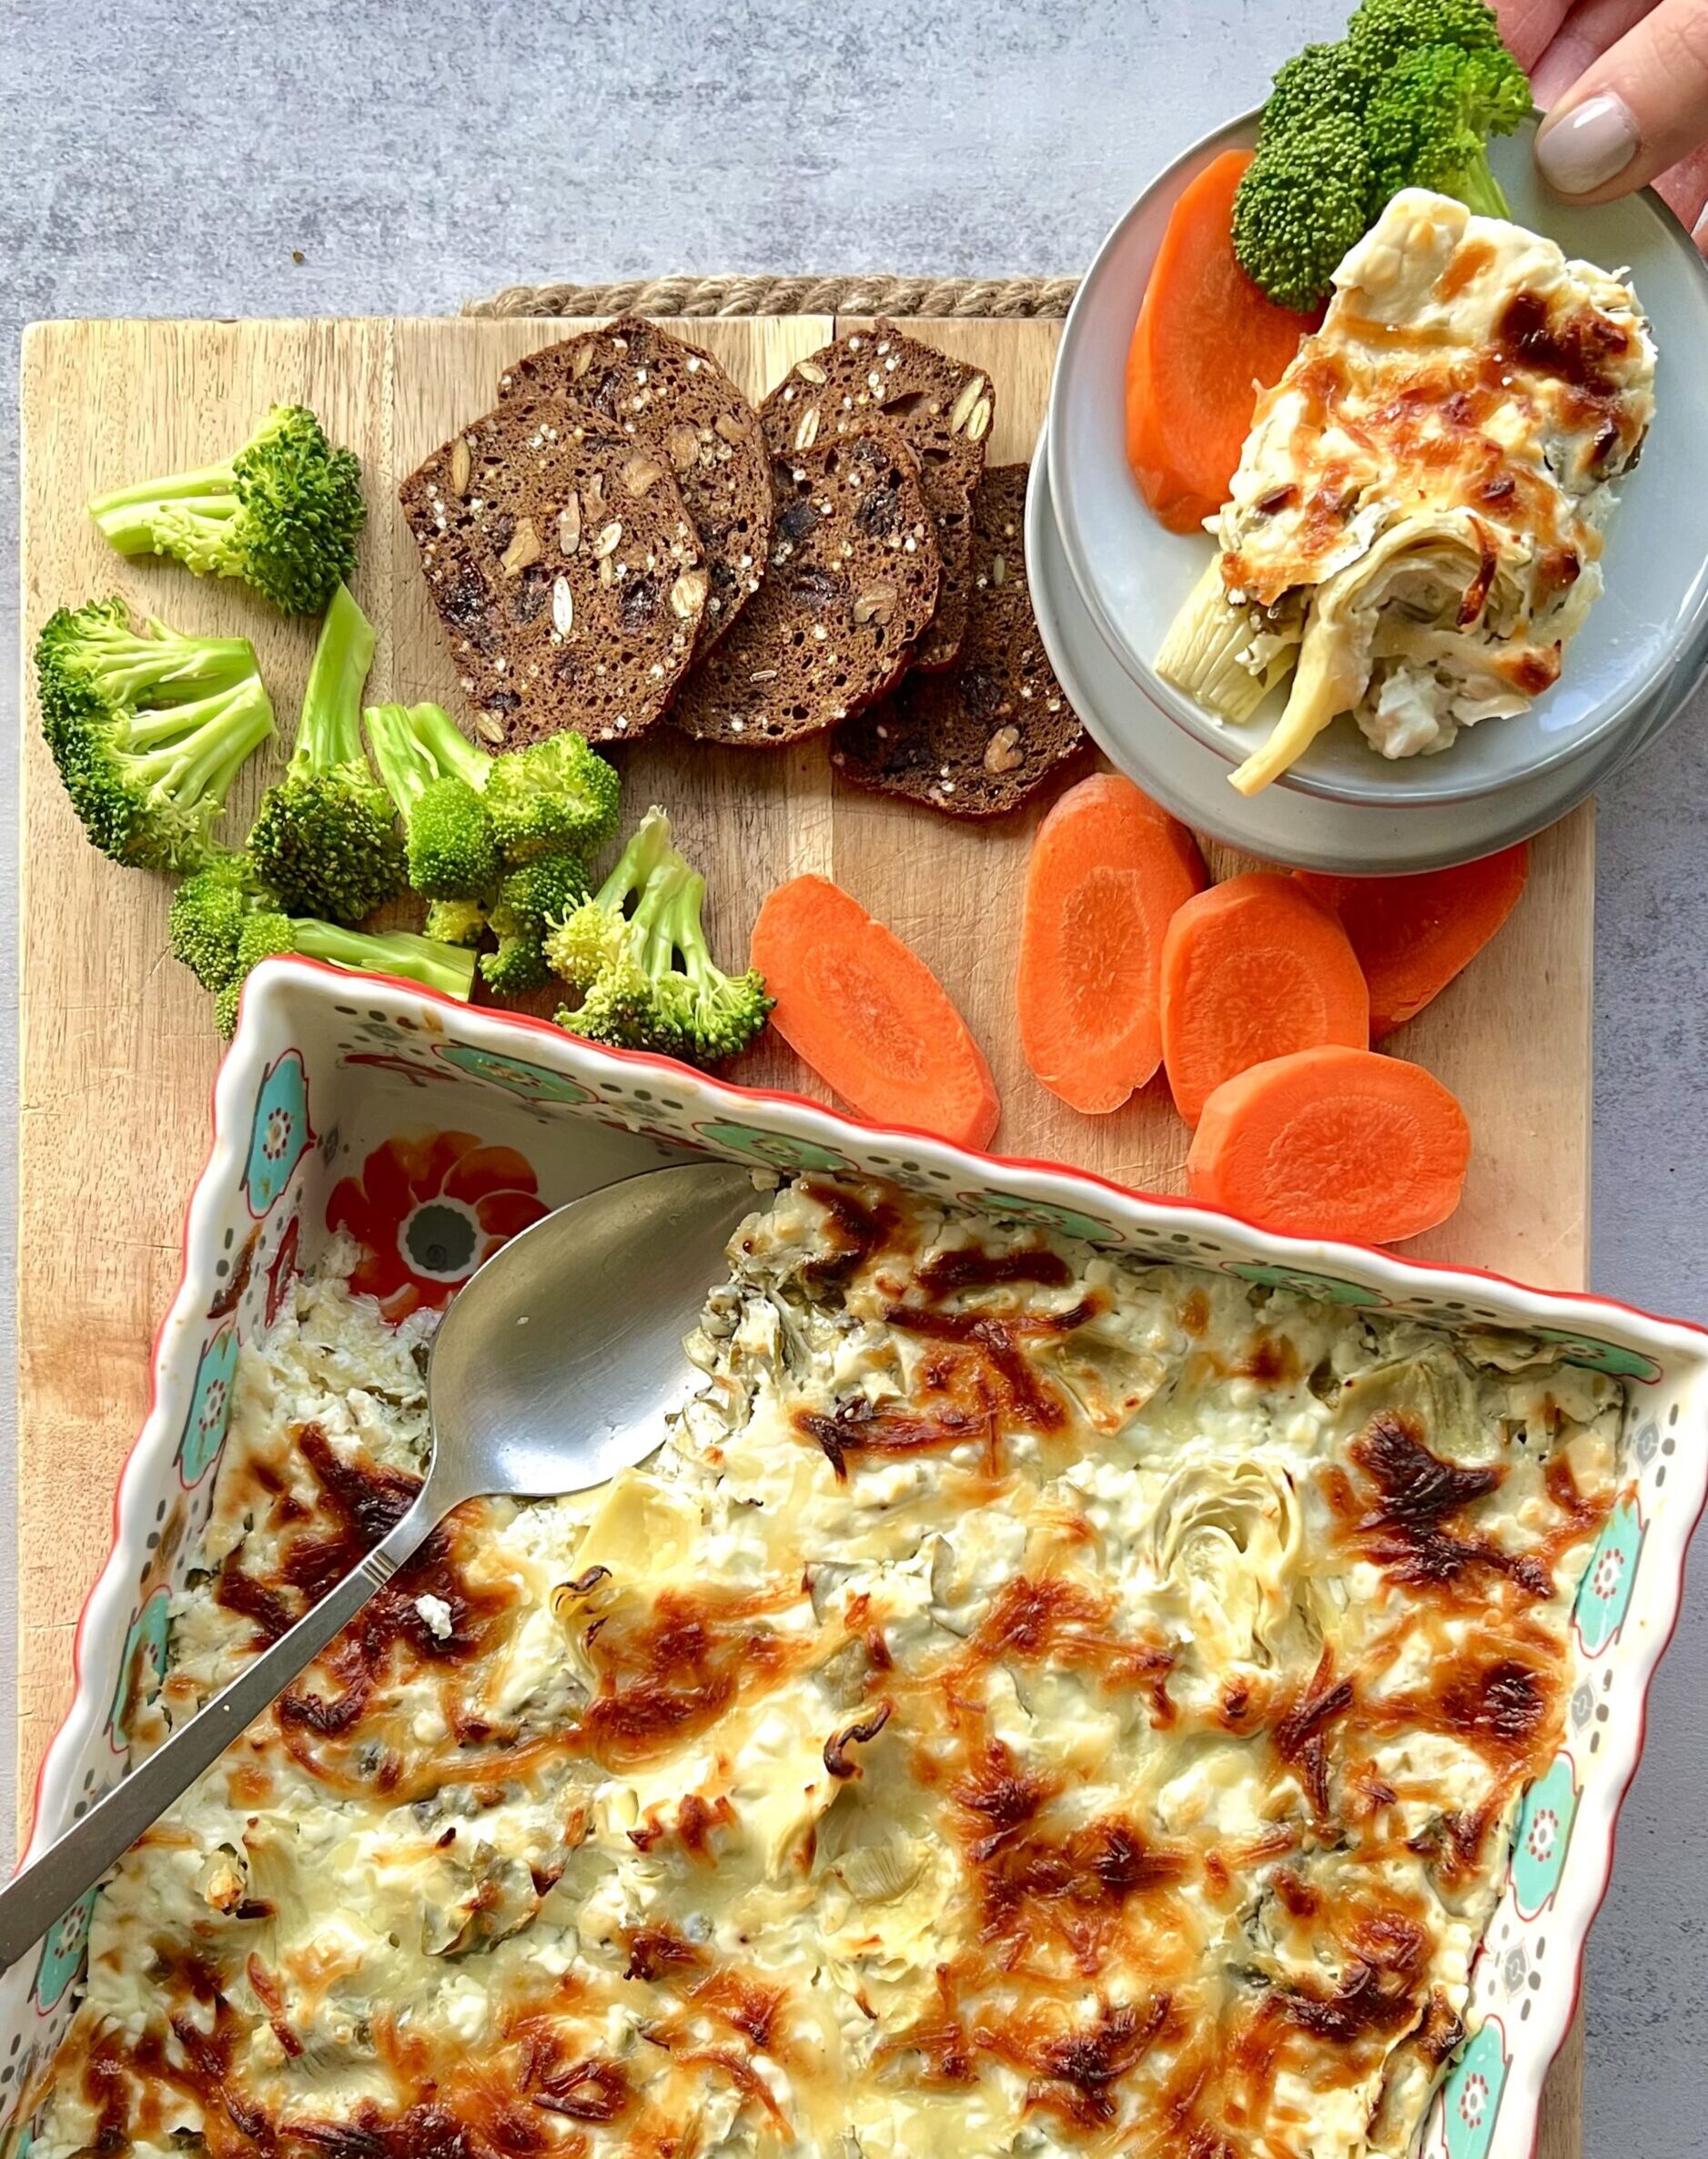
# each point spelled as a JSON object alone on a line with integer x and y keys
{"x": 1032, "y": 1702}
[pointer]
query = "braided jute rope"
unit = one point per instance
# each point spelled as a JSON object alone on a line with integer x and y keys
{"x": 869, "y": 293}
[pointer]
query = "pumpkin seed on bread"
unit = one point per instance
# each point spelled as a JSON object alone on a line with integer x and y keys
{"x": 980, "y": 739}
{"x": 566, "y": 575}
{"x": 852, "y": 581}
{"x": 943, "y": 410}
{"x": 676, "y": 402}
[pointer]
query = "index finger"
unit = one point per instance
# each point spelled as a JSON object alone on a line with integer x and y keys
{"x": 1529, "y": 26}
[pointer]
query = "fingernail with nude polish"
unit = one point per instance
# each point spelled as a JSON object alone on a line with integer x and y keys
{"x": 1589, "y": 146}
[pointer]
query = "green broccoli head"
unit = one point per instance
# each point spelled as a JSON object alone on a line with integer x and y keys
{"x": 324, "y": 838}
{"x": 452, "y": 851}
{"x": 518, "y": 962}
{"x": 1323, "y": 78}
{"x": 1301, "y": 203}
{"x": 148, "y": 729}
{"x": 531, "y": 901}
{"x": 1429, "y": 120}
{"x": 284, "y": 514}
{"x": 638, "y": 952}
{"x": 210, "y": 911}
{"x": 271, "y": 934}
{"x": 1381, "y": 33}
{"x": 456, "y": 922}
{"x": 551, "y": 795}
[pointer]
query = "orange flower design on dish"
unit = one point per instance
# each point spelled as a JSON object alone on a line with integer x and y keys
{"x": 426, "y": 1211}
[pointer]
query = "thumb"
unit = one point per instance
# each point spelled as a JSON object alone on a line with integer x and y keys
{"x": 1640, "y": 108}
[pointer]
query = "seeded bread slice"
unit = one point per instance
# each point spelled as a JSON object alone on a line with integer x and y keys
{"x": 943, "y": 410}
{"x": 852, "y": 580}
{"x": 676, "y": 402}
{"x": 566, "y": 574}
{"x": 978, "y": 741}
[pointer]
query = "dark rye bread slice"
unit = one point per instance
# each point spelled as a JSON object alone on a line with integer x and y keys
{"x": 677, "y": 402}
{"x": 978, "y": 741}
{"x": 852, "y": 581}
{"x": 565, "y": 571}
{"x": 943, "y": 410}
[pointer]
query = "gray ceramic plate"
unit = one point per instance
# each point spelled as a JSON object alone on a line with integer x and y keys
{"x": 1651, "y": 620}
{"x": 1302, "y": 831}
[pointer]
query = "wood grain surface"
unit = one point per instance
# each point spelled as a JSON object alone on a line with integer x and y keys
{"x": 119, "y": 1052}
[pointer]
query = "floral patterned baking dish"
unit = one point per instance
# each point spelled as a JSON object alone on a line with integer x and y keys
{"x": 432, "y": 1132}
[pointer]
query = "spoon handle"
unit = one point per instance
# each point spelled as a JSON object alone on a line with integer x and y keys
{"x": 40, "y": 1894}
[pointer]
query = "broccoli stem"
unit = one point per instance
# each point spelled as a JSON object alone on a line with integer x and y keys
{"x": 197, "y": 749}
{"x": 420, "y": 959}
{"x": 330, "y": 732}
{"x": 1477, "y": 188}
{"x": 688, "y": 931}
{"x": 127, "y": 516}
{"x": 648, "y": 850}
{"x": 131, "y": 668}
{"x": 415, "y": 744}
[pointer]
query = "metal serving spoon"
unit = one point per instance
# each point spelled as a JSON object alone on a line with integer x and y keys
{"x": 549, "y": 1371}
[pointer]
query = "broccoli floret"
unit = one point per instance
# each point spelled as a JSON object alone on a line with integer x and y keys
{"x": 1383, "y": 32}
{"x": 529, "y": 900}
{"x": 434, "y": 774}
{"x": 148, "y": 729}
{"x": 1300, "y": 204}
{"x": 1322, "y": 79}
{"x": 283, "y": 514}
{"x": 1429, "y": 120}
{"x": 638, "y": 951}
{"x": 210, "y": 911}
{"x": 551, "y": 795}
{"x": 324, "y": 838}
{"x": 396, "y": 952}
{"x": 456, "y": 922}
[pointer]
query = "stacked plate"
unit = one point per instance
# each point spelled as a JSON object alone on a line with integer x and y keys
{"x": 1107, "y": 580}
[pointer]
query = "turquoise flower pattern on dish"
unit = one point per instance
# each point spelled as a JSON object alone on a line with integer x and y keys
{"x": 281, "y": 1134}
{"x": 1610, "y": 1357}
{"x": 1544, "y": 1830}
{"x": 776, "y": 1150}
{"x": 1470, "y": 2099}
{"x": 1604, "y": 1593}
{"x": 515, "y": 1075}
{"x": 142, "y": 1666}
{"x": 1067, "y": 1222}
{"x": 1325, "y": 1289}
{"x": 210, "y": 1408}
{"x": 63, "y": 1952}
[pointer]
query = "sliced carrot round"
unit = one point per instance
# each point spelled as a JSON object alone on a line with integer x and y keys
{"x": 1413, "y": 934}
{"x": 1205, "y": 341}
{"x": 1333, "y": 1142}
{"x": 1251, "y": 970}
{"x": 1106, "y": 872}
{"x": 869, "y": 1016}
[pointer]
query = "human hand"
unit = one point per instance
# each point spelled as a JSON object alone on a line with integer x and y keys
{"x": 1625, "y": 86}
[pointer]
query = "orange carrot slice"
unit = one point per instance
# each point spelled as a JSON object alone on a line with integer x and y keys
{"x": 1413, "y": 934}
{"x": 869, "y": 1016}
{"x": 1332, "y": 1143}
{"x": 1205, "y": 341}
{"x": 1107, "y": 870}
{"x": 1251, "y": 970}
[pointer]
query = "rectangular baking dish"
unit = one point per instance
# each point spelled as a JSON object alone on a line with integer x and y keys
{"x": 363, "y": 1097}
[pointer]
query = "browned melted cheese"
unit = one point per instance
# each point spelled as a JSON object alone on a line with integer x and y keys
{"x": 1030, "y": 1693}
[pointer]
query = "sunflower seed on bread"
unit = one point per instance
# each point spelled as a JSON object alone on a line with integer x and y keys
{"x": 943, "y": 410}
{"x": 567, "y": 599}
{"x": 852, "y": 580}
{"x": 685, "y": 418}
{"x": 978, "y": 740}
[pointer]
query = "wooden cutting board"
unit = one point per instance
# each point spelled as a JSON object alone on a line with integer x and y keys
{"x": 118, "y": 1051}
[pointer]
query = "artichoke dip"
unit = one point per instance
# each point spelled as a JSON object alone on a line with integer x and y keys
{"x": 1415, "y": 530}
{"x": 1034, "y": 1702}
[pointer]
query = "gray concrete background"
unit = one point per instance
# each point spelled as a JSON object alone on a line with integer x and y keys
{"x": 166, "y": 159}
